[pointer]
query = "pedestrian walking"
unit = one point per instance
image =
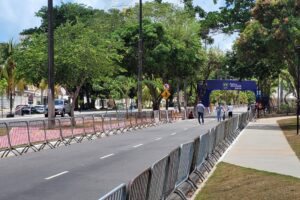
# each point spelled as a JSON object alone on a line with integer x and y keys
{"x": 219, "y": 110}
{"x": 230, "y": 110}
{"x": 200, "y": 110}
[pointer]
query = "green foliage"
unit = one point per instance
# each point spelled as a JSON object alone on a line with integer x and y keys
{"x": 235, "y": 15}
{"x": 266, "y": 46}
{"x": 31, "y": 58}
{"x": 233, "y": 97}
{"x": 171, "y": 43}
{"x": 91, "y": 44}
{"x": 3, "y": 86}
{"x": 66, "y": 12}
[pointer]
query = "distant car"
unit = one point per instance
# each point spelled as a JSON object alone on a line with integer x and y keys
{"x": 40, "y": 109}
{"x": 27, "y": 110}
{"x": 62, "y": 107}
{"x": 18, "y": 109}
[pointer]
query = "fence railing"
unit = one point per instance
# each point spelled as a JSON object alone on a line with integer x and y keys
{"x": 195, "y": 158}
{"x": 18, "y": 137}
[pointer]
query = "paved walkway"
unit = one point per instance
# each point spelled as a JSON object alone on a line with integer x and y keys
{"x": 263, "y": 146}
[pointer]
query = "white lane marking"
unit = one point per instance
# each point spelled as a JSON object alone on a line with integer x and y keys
{"x": 185, "y": 129}
{"x": 173, "y": 133}
{"x": 107, "y": 156}
{"x": 137, "y": 145}
{"x": 158, "y": 138}
{"x": 56, "y": 175}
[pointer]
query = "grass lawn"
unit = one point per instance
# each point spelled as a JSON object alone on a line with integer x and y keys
{"x": 289, "y": 128}
{"x": 230, "y": 182}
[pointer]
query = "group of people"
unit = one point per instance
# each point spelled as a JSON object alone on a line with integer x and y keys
{"x": 220, "y": 110}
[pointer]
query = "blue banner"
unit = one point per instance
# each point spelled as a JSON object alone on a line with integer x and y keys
{"x": 224, "y": 85}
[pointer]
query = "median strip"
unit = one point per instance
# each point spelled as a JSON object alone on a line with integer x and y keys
{"x": 51, "y": 177}
{"x": 109, "y": 155}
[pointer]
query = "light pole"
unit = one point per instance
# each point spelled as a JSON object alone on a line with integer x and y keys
{"x": 140, "y": 57}
{"x": 297, "y": 48}
{"x": 50, "y": 63}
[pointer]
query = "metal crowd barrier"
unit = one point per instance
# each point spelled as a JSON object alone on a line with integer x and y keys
{"x": 158, "y": 176}
{"x": 119, "y": 193}
{"x": 21, "y": 136}
{"x": 197, "y": 157}
{"x": 172, "y": 172}
{"x": 186, "y": 157}
{"x": 138, "y": 187}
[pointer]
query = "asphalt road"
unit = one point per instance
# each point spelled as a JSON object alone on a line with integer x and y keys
{"x": 91, "y": 169}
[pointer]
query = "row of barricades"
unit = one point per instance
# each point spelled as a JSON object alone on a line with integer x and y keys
{"x": 19, "y": 136}
{"x": 184, "y": 166}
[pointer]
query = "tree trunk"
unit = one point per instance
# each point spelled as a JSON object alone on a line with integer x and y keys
{"x": 10, "y": 102}
{"x": 155, "y": 105}
{"x": 74, "y": 96}
{"x": 81, "y": 101}
{"x": 154, "y": 98}
{"x": 93, "y": 103}
{"x": 102, "y": 103}
{"x": 197, "y": 96}
{"x": 185, "y": 93}
{"x": 190, "y": 92}
{"x": 76, "y": 104}
{"x": 126, "y": 105}
{"x": 178, "y": 99}
{"x": 167, "y": 103}
{"x": 88, "y": 100}
{"x": 42, "y": 97}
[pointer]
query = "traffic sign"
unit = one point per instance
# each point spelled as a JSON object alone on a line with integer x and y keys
{"x": 165, "y": 94}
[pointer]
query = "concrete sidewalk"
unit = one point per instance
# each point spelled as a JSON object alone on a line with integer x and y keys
{"x": 263, "y": 146}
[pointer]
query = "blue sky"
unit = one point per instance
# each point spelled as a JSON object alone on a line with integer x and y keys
{"x": 17, "y": 15}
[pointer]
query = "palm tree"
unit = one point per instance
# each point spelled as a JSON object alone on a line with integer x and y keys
{"x": 8, "y": 71}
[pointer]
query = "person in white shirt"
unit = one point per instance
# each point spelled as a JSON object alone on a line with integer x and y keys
{"x": 200, "y": 110}
{"x": 230, "y": 110}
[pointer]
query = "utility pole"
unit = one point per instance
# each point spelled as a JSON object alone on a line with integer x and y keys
{"x": 140, "y": 58}
{"x": 50, "y": 63}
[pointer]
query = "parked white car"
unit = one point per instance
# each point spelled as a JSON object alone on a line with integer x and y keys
{"x": 40, "y": 109}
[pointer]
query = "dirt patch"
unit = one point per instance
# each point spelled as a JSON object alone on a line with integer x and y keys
{"x": 231, "y": 182}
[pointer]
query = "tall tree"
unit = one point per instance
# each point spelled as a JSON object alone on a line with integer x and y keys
{"x": 8, "y": 71}
{"x": 81, "y": 55}
{"x": 267, "y": 43}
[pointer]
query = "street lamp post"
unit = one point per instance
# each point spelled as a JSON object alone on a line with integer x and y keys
{"x": 140, "y": 57}
{"x": 297, "y": 48}
{"x": 50, "y": 62}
